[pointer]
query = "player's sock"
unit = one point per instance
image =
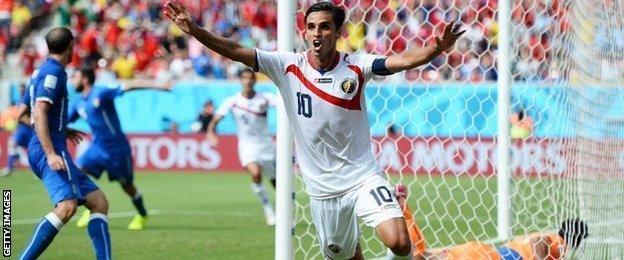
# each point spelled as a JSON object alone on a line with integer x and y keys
{"x": 98, "y": 232}
{"x": 12, "y": 160}
{"x": 261, "y": 192}
{"x": 45, "y": 232}
{"x": 391, "y": 256}
{"x": 137, "y": 200}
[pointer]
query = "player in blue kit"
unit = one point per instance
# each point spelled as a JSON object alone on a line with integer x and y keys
{"x": 21, "y": 136}
{"x": 50, "y": 160}
{"x": 110, "y": 149}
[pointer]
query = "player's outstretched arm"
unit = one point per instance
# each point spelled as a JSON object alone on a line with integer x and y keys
{"x": 211, "y": 133}
{"x": 43, "y": 133}
{"x": 417, "y": 56}
{"x": 136, "y": 84}
{"x": 177, "y": 13}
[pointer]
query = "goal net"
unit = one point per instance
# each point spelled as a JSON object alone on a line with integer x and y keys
{"x": 435, "y": 127}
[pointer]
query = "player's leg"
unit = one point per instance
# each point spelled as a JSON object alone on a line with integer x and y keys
{"x": 120, "y": 169}
{"x": 336, "y": 226}
{"x": 61, "y": 192}
{"x": 13, "y": 157}
{"x": 48, "y": 227}
{"x": 258, "y": 188}
{"x": 379, "y": 209}
{"x": 91, "y": 162}
{"x": 96, "y": 202}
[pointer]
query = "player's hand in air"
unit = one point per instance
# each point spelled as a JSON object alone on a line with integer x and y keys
{"x": 56, "y": 162}
{"x": 451, "y": 34}
{"x": 180, "y": 16}
{"x": 74, "y": 135}
{"x": 213, "y": 139}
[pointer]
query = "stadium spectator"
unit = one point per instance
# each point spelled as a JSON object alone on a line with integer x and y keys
{"x": 145, "y": 41}
{"x": 521, "y": 125}
{"x": 204, "y": 118}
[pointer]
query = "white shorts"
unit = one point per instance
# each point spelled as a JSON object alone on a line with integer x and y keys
{"x": 335, "y": 219}
{"x": 266, "y": 160}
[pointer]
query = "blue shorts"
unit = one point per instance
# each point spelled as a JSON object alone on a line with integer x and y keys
{"x": 508, "y": 254}
{"x": 61, "y": 185}
{"x": 22, "y": 135}
{"x": 117, "y": 162}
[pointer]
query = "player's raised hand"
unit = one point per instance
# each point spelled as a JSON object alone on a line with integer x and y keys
{"x": 75, "y": 136}
{"x": 56, "y": 162}
{"x": 180, "y": 16}
{"x": 450, "y": 36}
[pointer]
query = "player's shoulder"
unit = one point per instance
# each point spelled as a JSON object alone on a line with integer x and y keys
{"x": 50, "y": 67}
{"x": 358, "y": 58}
{"x": 285, "y": 56}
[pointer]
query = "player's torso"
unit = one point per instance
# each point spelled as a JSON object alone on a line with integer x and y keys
{"x": 251, "y": 119}
{"x": 330, "y": 123}
{"x": 102, "y": 118}
{"x": 46, "y": 77}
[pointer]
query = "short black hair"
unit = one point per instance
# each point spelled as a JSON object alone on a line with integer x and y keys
{"x": 58, "y": 40}
{"x": 246, "y": 70}
{"x": 337, "y": 12}
{"x": 573, "y": 231}
{"x": 89, "y": 73}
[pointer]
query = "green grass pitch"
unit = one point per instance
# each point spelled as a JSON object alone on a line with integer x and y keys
{"x": 216, "y": 216}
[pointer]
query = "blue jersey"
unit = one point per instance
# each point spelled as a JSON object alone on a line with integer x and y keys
{"x": 49, "y": 84}
{"x": 98, "y": 109}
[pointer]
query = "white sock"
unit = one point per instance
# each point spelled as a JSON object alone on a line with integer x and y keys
{"x": 391, "y": 256}
{"x": 260, "y": 191}
{"x": 54, "y": 220}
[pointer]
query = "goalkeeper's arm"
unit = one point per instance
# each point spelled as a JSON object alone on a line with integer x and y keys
{"x": 417, "y": 56}
{"x": 221, "y": 45}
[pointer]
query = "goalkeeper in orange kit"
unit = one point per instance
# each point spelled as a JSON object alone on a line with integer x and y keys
{"x": 528, "y": 247}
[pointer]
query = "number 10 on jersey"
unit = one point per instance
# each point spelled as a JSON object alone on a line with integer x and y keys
{"x": 304, "y": 104}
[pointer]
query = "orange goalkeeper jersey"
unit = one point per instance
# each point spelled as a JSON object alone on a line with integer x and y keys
{"x": 473, "y": 250}
{"x": 523, "y": 245}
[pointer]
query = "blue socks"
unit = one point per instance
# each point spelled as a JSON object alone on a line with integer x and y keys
{"x": 12, "y": 159}
{"x": 98, "y": 232}
{"x": 138, "y": 204}
{"x": 44, "y": 234}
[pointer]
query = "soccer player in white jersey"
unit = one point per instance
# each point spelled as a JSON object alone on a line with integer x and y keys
{"x": 322, "y": 90}
{"x": 255, "y": 147}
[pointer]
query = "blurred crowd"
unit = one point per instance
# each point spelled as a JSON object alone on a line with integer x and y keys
{"x": 131, "y": 38}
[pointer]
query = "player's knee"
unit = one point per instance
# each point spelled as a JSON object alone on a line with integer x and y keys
{"x": 400, "y": 246}
{"x": 256, "y": 177}
{"x": 66, "y": 209}
{"x": 98, "y": 203}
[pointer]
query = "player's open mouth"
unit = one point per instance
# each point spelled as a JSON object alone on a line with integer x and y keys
{"x": 317, "y": 43}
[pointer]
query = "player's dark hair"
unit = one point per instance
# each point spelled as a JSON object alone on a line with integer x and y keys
{"x": 573, "y": 231}
{"x": 337, "y": 12}
{"x": 58, "y": 40}
{"x": 245, "y": 70}
{"x": 89, "y": 73}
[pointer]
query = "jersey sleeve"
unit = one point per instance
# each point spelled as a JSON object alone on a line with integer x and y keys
{"x": 365, "y": 62}
{"x": 272, "y": 64}
{"x": 48, "y": 88}
{"x": 225, "y": 107}
{"x": 26, "y": 97}
{"x": 111, "y": 91}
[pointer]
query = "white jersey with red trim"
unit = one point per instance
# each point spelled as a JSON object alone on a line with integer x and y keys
{"x": 250, "y": 115}
{"x": 328, "y": 114}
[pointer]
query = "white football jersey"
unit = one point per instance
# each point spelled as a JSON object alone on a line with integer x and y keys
{"x": 251, "y": 120}
{"x": 327, "y": 112}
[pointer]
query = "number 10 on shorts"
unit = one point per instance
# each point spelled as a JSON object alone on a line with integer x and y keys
{"x": 382, "y": 195}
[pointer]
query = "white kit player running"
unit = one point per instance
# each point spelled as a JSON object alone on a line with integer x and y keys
{"x": 322, "y": 90}
{"x": 256, "y": 151}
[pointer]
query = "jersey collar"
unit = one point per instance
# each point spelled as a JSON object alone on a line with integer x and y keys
{"x": 334, "y": 64}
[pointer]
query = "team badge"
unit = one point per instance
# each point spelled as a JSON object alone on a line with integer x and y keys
{"x": 348, "y": 85}
{"x": 334, "y": 248}
{"x": 96, "y": 102}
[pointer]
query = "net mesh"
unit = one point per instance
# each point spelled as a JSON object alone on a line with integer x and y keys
{"x": 434, "y": 127}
